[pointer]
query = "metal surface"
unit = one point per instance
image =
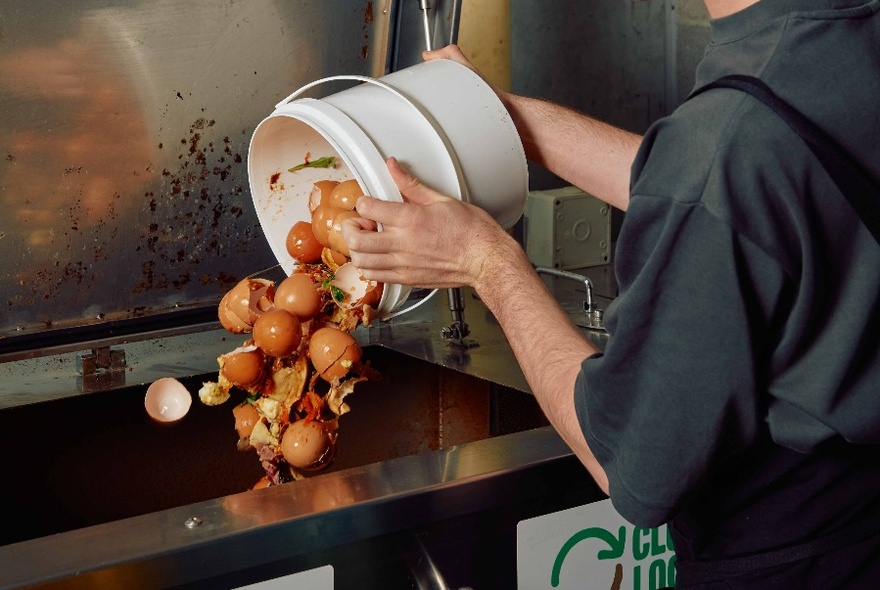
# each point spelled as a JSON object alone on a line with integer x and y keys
{"x": 124, "y": 132}
{"x": 246, "y": 530}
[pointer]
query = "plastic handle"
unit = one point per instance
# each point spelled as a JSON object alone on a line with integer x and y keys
{"x": 352, "y": 78}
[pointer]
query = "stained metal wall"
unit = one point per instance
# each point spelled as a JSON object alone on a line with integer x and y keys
{"x": 124, "y": 131}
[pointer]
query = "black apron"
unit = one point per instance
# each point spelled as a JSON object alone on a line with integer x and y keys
{"x": 776, "y": 518}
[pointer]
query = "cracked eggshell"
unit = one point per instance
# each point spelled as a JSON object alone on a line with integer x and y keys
{"x": 334, "y": 235}
{"x": 229, "y": 320}
{"x": 358, "y": 290}
{"x": 333, "y": 352}
{"x": 246, "y": 301}
{"x": 321, "y": 192}
{"x": 167, "y": 400}
{"x": 322, "y": 221}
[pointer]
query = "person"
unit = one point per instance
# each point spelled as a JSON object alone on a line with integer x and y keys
{"x": 737, "y": 397}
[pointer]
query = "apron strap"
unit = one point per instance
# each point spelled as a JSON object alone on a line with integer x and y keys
{"x": 855, "y": 184}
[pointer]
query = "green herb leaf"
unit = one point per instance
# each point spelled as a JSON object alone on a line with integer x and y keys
{"x": 325, "y": 162}
{"x": 338, "y": 294}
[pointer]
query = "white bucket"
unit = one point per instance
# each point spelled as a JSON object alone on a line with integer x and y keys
{"x": 439, "y": 118}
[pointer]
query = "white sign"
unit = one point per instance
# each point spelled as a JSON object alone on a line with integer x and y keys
{"x": 317, "y": 579}
{"x": 593, "y": 547}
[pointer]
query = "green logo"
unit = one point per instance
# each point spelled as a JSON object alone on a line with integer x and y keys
{"x": 616, "y": 547}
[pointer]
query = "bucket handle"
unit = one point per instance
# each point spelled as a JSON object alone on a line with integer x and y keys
{"x": 352, "y": 78}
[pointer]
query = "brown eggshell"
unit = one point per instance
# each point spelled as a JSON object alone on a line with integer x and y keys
{"x": 298, "y": 295}
{"x": 278, "y": 333}
{"x": 334, "y": 235}
{"x": 243, "y": 366}
{"x": 302, "y": 245}
{"x": 250, "y": 298}
{"x": 246, "y": 416}
{"x": 307, "y": 445}
{"x": 263, "y": 482}
{"x": 322, "y": 221}
{"x": 320, "y": 192}
{"x": 229, "y": 320}
{"x": 344, "y": 195}
{"x": 333, "y": 352}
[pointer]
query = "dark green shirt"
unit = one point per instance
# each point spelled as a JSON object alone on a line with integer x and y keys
{"x": 748, "y": 287}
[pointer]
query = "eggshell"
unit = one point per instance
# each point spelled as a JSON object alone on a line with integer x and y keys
{"x": 244, "y": 366}
{"x": 358, "y": 290}
{"x": 229, "y": 320}
{"x": 298, "y": 295}
{"x": 333, "y": 259}
{"x": 333, "y": 352}
{"x": 322, "y": 221}
{"x": 334, "y": 234}
{"x": 250, "y": 298}
{"x": 167, "y": 400}
{"x": 246, "y": 416}
{"x": 302, "y": 245}
{"x": 306, "y": 444}
{"x": 344, "y": 195}
{"x": 263, "y": 482}
{"x": 278, "y": 333}
{"x": 321, "y": 191}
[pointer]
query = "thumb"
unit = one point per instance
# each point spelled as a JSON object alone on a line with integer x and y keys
{"x": 411, "y": 188}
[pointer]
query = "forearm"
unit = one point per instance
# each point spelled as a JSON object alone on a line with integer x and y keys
{"x": 592, "y": 155}
{"x": 548, "y": 346}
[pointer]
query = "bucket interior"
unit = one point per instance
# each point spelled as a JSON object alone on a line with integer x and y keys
{"x": 281, "y": 195}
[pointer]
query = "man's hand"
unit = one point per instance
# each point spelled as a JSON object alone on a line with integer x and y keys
{"x": 429, "y": 240}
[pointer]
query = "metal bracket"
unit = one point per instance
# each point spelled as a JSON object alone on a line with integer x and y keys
{"x": 458, "y": 331}
{"x": 594, "y": 315}
{"x": 101, "y": 368}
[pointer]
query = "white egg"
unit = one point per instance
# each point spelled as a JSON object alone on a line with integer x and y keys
{"x": 167, "y": 400}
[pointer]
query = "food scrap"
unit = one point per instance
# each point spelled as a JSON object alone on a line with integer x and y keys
{"x": 325, "y": 162}
{"x": 300, "y": 361}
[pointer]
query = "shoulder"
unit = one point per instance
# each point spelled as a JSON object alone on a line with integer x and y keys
{"x": 730, "y": 156}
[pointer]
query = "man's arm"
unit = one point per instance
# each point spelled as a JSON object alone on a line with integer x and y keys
{"x": 472, "y": 249}
{"x": 593, "y": 156}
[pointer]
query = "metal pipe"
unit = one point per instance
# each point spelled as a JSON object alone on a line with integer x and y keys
{"x": 423, "y": 6}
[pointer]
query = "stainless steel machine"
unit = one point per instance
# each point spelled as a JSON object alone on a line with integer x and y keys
{"x": 124, "y": 129}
